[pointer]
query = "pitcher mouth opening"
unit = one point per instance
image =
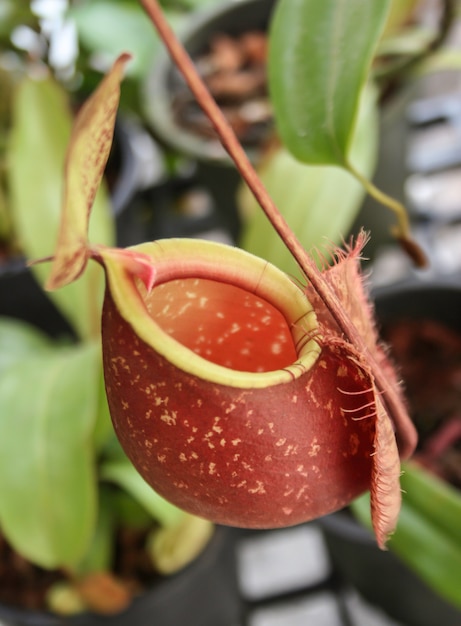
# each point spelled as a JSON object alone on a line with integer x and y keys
{"x": 220, "y": 313}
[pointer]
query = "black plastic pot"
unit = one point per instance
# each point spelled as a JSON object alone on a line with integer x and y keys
{"x": 380, "y": 577}
{"x": 214, "y": 168}
{"x": 231, "y": 18}
{"x": 22, "y": 298}
{"x": 181, "y": 207}
{"x": 203, "y": 594}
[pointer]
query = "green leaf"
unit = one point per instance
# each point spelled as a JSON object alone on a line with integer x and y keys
{"x": 128, "y": 512}
{"x": 190, "y": 5}
{"x": 319, "y": 202}
{"x": 430, "y": 552}
{"x": 100, "y": 554}
{"x": 109, "y": 28}
{"x": 435, "y": 499}
{"x": 19, "y": 340}
{"x": 103, "y": 431}
{"x": 84, "y": 164}
{"x": 13, "y": 14}
{"x": 116, "y": 510}
{"x": 41, "y": 129}
{"x": 47, "y": 482}
{"x": 123, "y": 473}
{"x": 428, "y": 537}
{"x": 320, "y": 54}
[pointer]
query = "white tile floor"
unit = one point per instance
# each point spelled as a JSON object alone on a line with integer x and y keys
{"x": 319, "y": 609}
{"x": 295, "y": 562}
{"x": 282, "y": 561}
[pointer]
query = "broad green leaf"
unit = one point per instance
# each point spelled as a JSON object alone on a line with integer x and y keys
{"x": 320, "y": 55}
{"x": 99, "y": 556}
{"x": 434, "y": 498}
{"x": 123, "y": 474}
{"x": 109, "y": 28}
{"x": 47, "y": 467}
{"x": 428, "y": 535}
{"x": 103, "y": 430}
{"x": 19, "y": 340}
{"x": 41, "y": 130}
{"x": 319, "y": 202}
{"x": 429, "y": 552}
{"x": 84, "y": 165}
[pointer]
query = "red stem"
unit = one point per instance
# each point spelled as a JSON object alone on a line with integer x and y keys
{"x": 447, "y": 435}
{"x": 405, "y": 431}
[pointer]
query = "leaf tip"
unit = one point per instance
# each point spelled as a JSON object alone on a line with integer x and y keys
{"x": 67, "y": 268}
{"x": 124, "y": 57}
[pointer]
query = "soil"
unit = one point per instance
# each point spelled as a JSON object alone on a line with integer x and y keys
{"x": 428, "y": 355}
{"x": 24, "y": 585}
{"x": 234, "y": 70}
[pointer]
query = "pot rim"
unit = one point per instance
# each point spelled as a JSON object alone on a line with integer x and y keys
{"x": 157, "y": 97}
{"x": 193, "y": 258}
{"x": 157, "y": 595}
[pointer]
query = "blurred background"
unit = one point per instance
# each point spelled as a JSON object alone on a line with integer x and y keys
{"x": 167, "y": 176}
